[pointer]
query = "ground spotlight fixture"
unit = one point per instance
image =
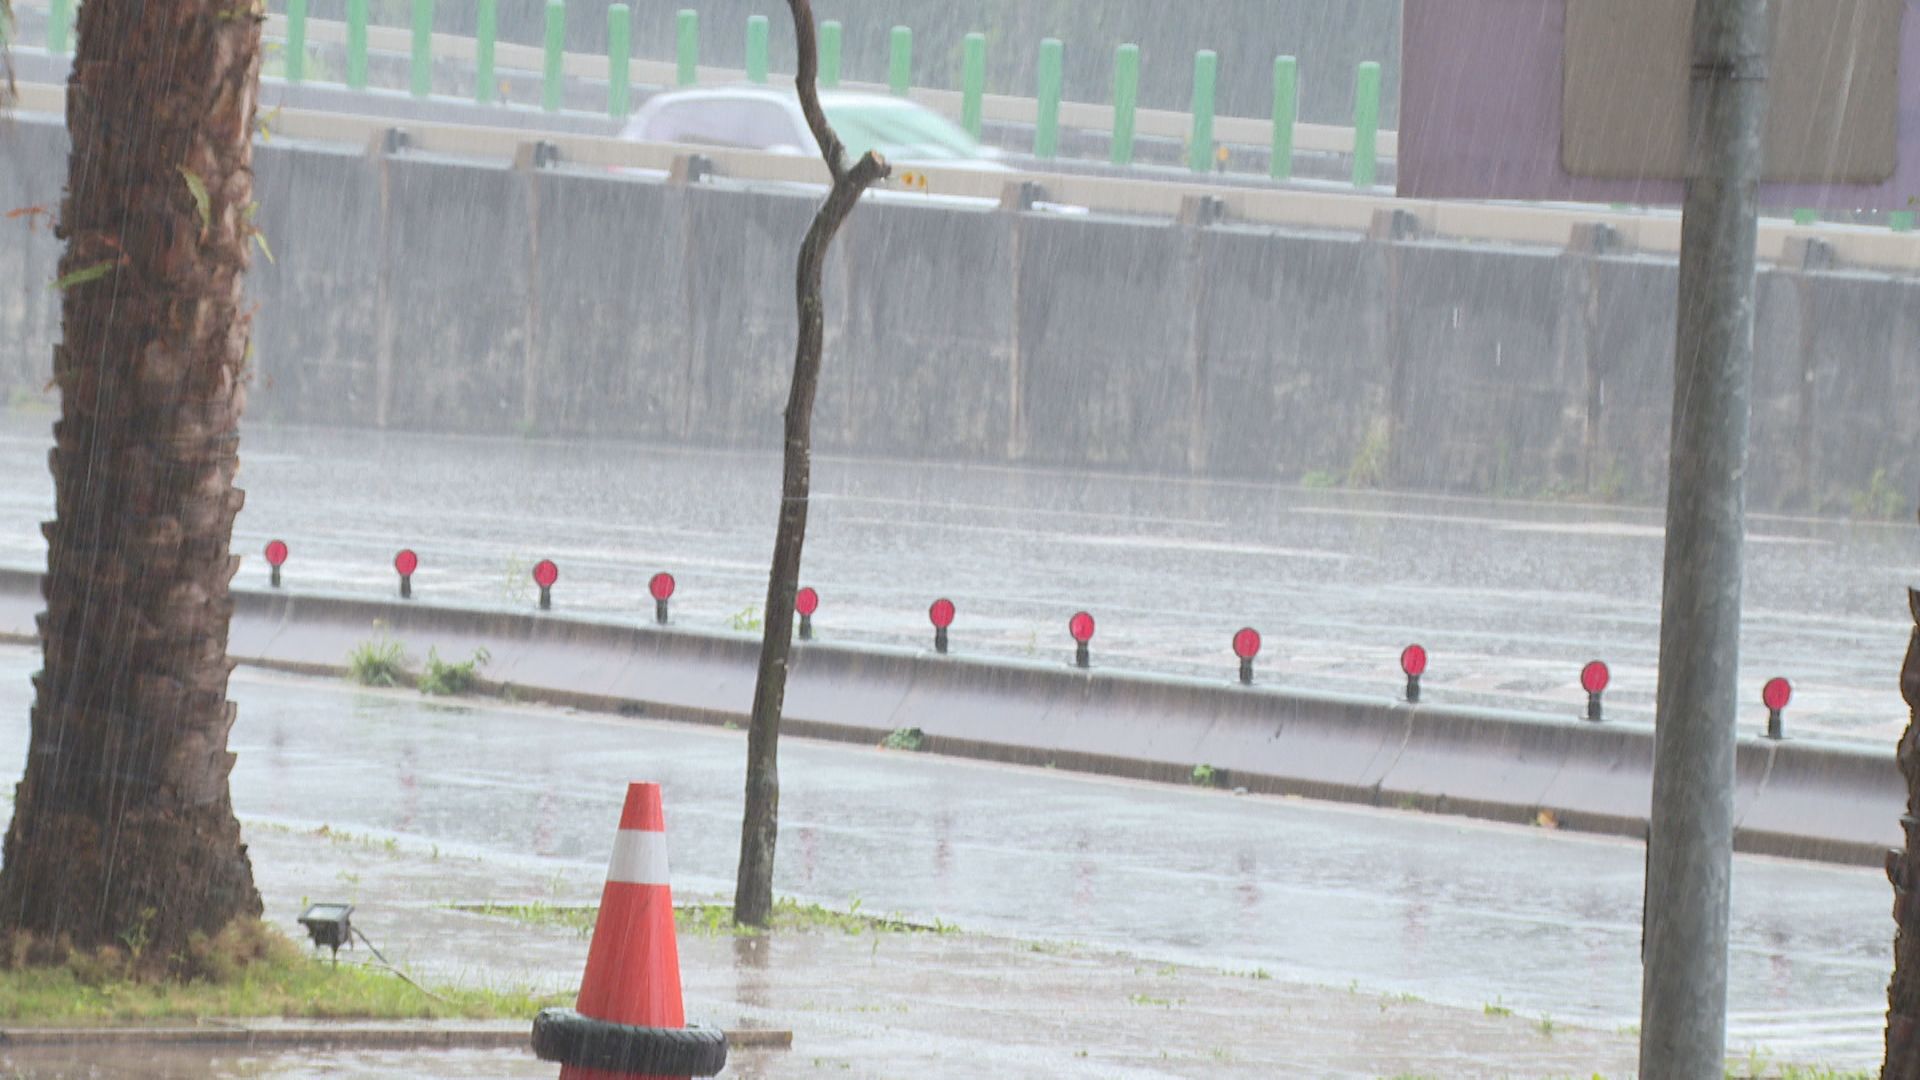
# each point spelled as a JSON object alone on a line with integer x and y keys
{"x": 329, "y": 925}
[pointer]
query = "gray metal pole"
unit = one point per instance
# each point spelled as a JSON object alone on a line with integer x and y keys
{"x": 1683, "y": 1011}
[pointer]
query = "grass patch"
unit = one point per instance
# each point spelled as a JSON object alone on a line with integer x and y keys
{"x": 716, "y": 920}
{"x": 249, "y": 970}
{"x": 1757, "y": 1064}
{"x": 380, "y": 661}
{"x": 747, "y": 620}
{"x": 442, "y": 678}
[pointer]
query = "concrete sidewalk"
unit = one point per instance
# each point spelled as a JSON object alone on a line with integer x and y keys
{"x": 947, "y": 1005}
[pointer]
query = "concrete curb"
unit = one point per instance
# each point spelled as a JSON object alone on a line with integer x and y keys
{"x": 1806, "y": 800}
{"x": 284, "y": 1035}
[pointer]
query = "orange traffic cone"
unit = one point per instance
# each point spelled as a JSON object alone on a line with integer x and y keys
{"x": 630, "y": 1020}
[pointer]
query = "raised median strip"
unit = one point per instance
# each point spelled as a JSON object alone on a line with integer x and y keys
{"x": 1793, "y": 798}
{"x": 1548, "y": 226}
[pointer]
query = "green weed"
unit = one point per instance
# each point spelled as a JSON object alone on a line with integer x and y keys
{"x": 380, "y": 661}
{"x": 444, "y": 679}
{"x": 909, "y": 738}
{"x": 1881, "y": 501}
{"x": 1369, "y": 466}
{"x": 747, "y": 619}
{"x": 1203, "y": 776}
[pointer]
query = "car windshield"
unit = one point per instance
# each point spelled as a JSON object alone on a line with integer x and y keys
{"x": 900, "y": 133}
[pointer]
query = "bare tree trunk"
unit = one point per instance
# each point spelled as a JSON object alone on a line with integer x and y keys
{"x": 123, "y": 829}
{"x": 759, "y": 829}
{"x": 1903, "y": 870}
{"x": 6, "y": 53}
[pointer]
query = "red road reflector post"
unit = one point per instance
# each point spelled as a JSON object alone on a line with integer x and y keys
{"x": 545, "y": 573}
{"x": 630, "y": 1018}
{"x": 806, "y": 602}
{"x": 1081, "y": 627}
{"x": 1413, "y": 661}
{"x": 1775, "y": 696}
{"x": 1593, "y": 679}
{"x": 405, "y": 564}
{"x": 941, "y": 615}
{"x": 276, "y": 555}
{"x": 1246, "y": 646}
{"x": 660, "y": 587}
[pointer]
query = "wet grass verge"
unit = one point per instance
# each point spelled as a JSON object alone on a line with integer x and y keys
{"x": 254, "y": 973}
{"x": 716, "y": 920}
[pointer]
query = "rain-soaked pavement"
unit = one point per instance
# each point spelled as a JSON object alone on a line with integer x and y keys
{"x": 1510, "y": 598}
{"x": 1451, "y": 911}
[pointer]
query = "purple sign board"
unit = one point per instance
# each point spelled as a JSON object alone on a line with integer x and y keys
{"x": 1482, "y": 104}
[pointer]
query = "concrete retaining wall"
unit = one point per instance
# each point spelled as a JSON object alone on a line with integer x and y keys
{"x": 436, "y": 294}
{"x": 1803, "y": 800}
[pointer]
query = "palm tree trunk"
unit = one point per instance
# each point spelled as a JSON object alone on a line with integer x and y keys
{"x": 123, "y": 828}
{"x": 1903, "y": 993}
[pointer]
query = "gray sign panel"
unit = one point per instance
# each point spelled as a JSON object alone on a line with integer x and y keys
{"x": 1585, "y": 100}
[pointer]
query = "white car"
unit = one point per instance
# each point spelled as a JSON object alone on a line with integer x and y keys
{"x": 759, "y": 118}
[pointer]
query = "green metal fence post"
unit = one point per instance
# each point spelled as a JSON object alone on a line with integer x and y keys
{"x": 422, "y": 71}
{"x": 757, "y": 31}
{"x": 357, "y": 44}
{"x": 296, "y": 56}
{"x": 830, "y": 54}
{"x": 1286, "y": 109}
{"x": 553, "y": 86}
{"x": 1126, "y": 98}
{"x": 1206, "y": 72}
{"x": 1046, "y": 128}
{"x": 1366, "y": 122}
{"x": 830, "y": 47}
{"x": 483, "y": 38}
{"x": 686, "y": 46}
{"x": 59, "y": 25}
{"x": 900, "y": 62}
{"x": 619, "y": 61}
{"x": 973, "y": 82}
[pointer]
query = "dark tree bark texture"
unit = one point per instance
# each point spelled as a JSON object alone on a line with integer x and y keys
{"x": 1903, "y": 870}
{"x": 759, "y": 829}
{"x": 123, "y": 830}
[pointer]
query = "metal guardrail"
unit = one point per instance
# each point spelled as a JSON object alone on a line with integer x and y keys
{"x": 1652, "y": 232}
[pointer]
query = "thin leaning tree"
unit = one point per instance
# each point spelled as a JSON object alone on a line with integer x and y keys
{"x": 1903, "y": 869}
{"x": 123, "y": 828}
{"x": 759, "y": 830}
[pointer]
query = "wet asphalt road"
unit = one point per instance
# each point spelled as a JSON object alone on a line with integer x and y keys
{"x": 1454, "y": 911}
{"x": 1510, "y": 598}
